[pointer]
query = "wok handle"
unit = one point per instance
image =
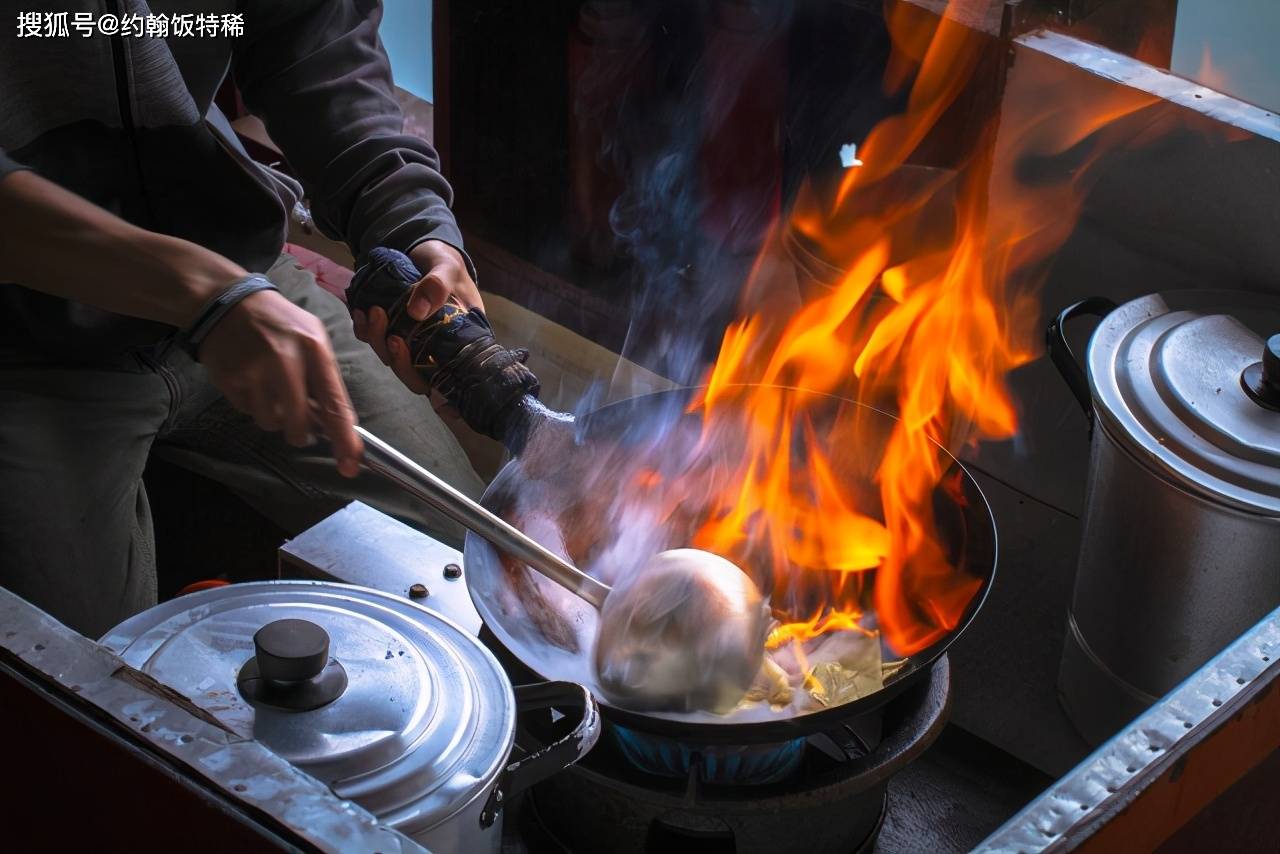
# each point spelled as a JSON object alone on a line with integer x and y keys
{"x": 1064, "y": 359}
{"x": 381, "y": 458}
{"x": 454, "y": 349}
{"x": 551, "y": 758}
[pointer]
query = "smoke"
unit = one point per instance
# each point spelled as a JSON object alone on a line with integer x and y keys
{"x": 682, "y": 105}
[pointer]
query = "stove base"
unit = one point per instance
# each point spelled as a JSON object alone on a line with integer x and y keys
{"x": 630, "y": 828}
{"x": 835, "y": 802}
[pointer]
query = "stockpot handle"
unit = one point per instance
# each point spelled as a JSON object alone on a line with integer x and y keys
{"x": 548, "y": 758}
{"x": 1072, "y": 370}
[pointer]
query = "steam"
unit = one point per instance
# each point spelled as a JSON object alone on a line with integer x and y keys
{"x": 685, "y": 120}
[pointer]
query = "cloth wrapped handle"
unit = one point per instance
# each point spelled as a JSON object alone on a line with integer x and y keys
{"x": 454, "y": 349}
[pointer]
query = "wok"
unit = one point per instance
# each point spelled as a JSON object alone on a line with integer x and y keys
{"x": 963, "y": 520}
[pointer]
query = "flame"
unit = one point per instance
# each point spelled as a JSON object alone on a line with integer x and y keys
{"x": 929, "y": 324}
{"x": 818, "y": 624}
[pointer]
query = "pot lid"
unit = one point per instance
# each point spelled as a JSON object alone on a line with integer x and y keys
{"x": 1175, "y": 378}
{"x": 405, "y": 714}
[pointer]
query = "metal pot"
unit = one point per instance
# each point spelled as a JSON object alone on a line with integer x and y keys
{"x": 1180, "y": 550}
{"x": 391, "y": 705}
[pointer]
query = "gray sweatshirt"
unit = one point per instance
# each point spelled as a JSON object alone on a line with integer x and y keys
{"x": 129, "y": 123}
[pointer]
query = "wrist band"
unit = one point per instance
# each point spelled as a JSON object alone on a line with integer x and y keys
{"x": 189, "y": 339}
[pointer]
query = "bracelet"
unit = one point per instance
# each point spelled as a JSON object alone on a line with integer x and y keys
{"x": 189, "y": 339}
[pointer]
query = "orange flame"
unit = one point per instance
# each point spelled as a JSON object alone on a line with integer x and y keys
{"x": 929, "y": 324}
{"x": 829, "y": 622}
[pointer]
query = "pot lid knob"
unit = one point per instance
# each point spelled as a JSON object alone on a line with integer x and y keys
{"x": 291, "y": 668}
{"x": 291, "y": 650}
{"x": 1262, "y": 379}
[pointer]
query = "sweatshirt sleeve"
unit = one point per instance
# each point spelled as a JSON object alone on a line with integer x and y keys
{"x": 316, "y": 74}
{"x": 8, "y": 164}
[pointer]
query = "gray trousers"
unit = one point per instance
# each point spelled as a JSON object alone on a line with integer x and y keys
{"x": 75, "y": 526}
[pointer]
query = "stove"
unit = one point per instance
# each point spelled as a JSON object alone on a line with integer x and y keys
{"x": 827, "y": 792}
{"x": 896, "y": 780}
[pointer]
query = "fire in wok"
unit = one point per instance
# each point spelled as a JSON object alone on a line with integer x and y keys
{"x": 647, "y": 475}
{"x": 872, "y": 543}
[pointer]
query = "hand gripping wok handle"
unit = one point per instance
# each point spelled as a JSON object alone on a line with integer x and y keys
{"x": 385, "y": 460}
{"x": 454, "y": 350}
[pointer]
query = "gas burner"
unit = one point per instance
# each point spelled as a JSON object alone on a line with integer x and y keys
{"x": 822, "y": 793}
{"x": 714, "y": 764}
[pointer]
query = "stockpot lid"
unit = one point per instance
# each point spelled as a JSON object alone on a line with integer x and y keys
{"x": 422, "y": 725}
{"x": 1166, "y": 374}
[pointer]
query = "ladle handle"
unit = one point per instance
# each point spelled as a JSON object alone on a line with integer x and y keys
{"x": 385, "y": 460}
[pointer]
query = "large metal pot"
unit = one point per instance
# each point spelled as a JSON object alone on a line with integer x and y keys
{"x": 389, "y": 704}
{"x": 1180, "y": 549}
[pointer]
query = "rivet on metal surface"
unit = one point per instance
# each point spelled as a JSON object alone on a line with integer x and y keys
{"x": 452, "y": 571}
{"x": 492, "y": 807}
{"x": 419, "y": 591}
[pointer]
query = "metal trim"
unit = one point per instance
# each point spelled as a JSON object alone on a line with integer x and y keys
{"x": 164, "y": 724}
{"x": 1119, "y": 771}
{"x": 1127, "y": 71}
{"x": 28, "y": 679}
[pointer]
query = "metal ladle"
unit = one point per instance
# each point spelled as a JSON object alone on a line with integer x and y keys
{"x": 685, "y": 633}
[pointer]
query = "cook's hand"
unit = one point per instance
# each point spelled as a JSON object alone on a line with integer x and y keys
{"x": 445, "y": 279}
{"x": 266, "y": 355}
{"x": 270, "y": 359}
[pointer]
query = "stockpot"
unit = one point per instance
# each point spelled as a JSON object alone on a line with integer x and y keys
{"x": 391, "y": 705}
{"x": 1180, "y": 542}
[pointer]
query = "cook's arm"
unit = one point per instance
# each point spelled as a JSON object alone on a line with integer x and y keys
{"x": 266, "y": 355}
{"x": 315, "y": 72}
{"x": 52, "y": 240}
